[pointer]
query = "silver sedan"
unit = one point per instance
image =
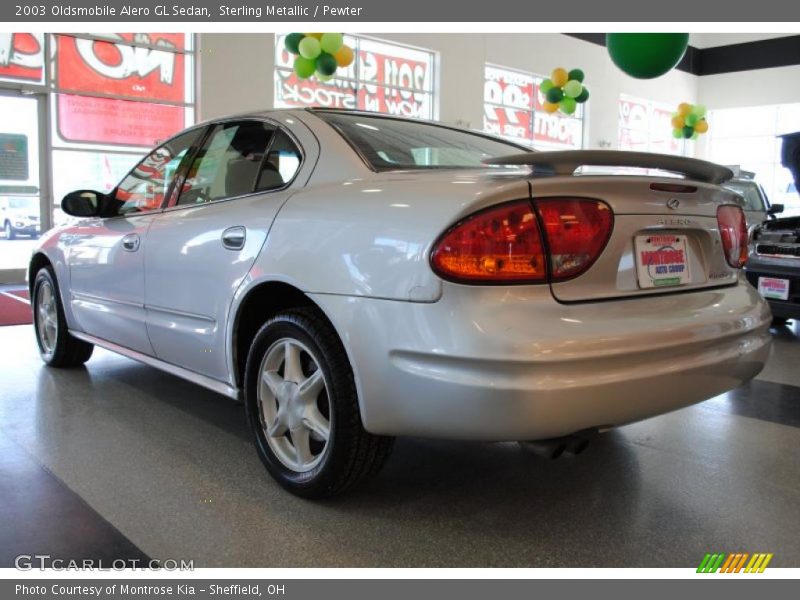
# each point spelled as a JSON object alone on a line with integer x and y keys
{"x": 353, "y": 277}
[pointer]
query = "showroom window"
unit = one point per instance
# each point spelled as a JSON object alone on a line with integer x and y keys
{"x": 512, "y": 109}
{"x": 79, "y": 111}
{"x": 748, "y": 137}
{"x": 645, "y": 126}
{"x": 386, "y": 77}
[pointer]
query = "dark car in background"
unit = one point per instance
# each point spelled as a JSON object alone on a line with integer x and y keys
{"x": 773, "y": 266}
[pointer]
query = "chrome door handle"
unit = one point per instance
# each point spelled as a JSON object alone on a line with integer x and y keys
{"x": 233, "y": 238}
{"x": 130, "y": 242}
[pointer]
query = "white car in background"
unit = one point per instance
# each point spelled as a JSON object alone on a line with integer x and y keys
{"x": 354, "y": 277}
{"x": 19, "y": 214}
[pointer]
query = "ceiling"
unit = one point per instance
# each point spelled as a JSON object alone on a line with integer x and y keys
{"x": 712, "y": 40}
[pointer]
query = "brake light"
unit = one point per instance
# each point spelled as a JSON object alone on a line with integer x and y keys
{"x": 577, "y": 231}
{"x": 499, "y": 245}
{"x": 733, "y": 230}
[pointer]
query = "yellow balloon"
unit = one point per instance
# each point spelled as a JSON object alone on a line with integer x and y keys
{"x": 684, "y": 108}
{"x": 678, "y": 122}
{"x": 559, "y": 77}
{"x": 316, "y": 35}
{"x": 344, "y": 56}
{"x": 701, "y": 126}
{"x": 550, "y": 107}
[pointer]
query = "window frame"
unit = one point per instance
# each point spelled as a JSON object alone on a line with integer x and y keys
{"x": 167, "y": 205}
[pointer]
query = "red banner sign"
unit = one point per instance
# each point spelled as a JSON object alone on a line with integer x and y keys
{"x": 22, "y": 56}
{"x": 116, "y": 68}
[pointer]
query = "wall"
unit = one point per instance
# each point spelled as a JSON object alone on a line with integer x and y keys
{"x": 236, "y": 74}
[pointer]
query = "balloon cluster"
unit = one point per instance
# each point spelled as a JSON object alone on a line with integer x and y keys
{"x": 318, "y": 54}
{"x": 689, "y": 121}
{"x": 564, "y": 90}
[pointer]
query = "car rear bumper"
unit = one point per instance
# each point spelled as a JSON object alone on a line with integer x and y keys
{"x": 513, "y": 364}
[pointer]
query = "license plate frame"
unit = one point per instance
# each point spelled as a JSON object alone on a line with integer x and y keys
{"x": 662, "y": 260}
{"x": 773, "y": 288}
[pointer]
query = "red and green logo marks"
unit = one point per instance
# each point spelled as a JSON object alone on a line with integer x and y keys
{"x": 740, "y": 562}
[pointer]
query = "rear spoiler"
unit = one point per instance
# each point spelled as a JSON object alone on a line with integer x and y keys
{"x": 565, "y": 162}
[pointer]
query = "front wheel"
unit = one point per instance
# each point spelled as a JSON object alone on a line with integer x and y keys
{"x": 57, "y": 347}
{"x": 303, "y": 410}
{"x": 9, "y": 231}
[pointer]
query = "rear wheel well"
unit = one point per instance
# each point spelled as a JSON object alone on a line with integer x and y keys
{"x": 38, "y": 261}
{"x": 261, "y": 304}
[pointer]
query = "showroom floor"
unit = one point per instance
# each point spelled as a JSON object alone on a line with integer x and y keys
{"x": 120, "y": 460}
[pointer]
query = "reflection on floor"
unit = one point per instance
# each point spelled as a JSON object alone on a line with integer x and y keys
{"x": 131, "y": 462}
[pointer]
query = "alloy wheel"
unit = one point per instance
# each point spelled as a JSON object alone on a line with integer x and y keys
{"x": 46, "y": 317}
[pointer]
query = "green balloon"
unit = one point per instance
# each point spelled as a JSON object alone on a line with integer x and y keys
{"x": 304, "y": 67}
{"x": 576, "y": 75}
{"x": 292, "y": 42}
{"x": 677, "y": 134}
{"x": 695, "y": 135}
{"x": 554, "y": 95}
{"x": 331, "y": 42}
{"x": 309, "y": 47}
{"x": 545, "y": 86}
{"x": 699, "y": 111}
{"x": 688, "y": 132}
{"x": 691, "y": 120}
{"x": 568, "y": 105}
{"x": 573, "y": 88}
{"x": 326, "y": 64}
{"x": 646, "y": 55}
{"x": 582, "y": 97}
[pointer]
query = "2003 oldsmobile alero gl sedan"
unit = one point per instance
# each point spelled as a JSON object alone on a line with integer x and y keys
{"x": 354, "y": 277}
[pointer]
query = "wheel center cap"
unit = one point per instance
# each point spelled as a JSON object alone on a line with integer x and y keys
{"x": 289, "y": 394}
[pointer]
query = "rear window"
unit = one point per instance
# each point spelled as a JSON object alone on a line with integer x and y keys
{"x": 391, "y": 144}
{"x": 750, "y": 192}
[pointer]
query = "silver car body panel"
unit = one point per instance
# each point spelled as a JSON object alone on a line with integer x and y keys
{"x": 430, "y": 357}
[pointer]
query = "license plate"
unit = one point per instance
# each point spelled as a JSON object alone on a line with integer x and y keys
{"x": 661, "y": 260}
{"x": 776, "y": 289}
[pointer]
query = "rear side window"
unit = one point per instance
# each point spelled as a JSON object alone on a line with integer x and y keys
{"x": 229, "y": 163}
{"x": 280, "y": 164}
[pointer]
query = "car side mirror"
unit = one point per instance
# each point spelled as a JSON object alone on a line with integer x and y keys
{"x": 775, "y": 209}
{"x": 83, "y": 203}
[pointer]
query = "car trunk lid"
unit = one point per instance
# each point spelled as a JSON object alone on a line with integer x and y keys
{"x": 665, "y": 236}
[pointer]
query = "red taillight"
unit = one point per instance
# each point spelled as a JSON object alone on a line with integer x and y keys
{"x": 577, "y": 230}
{"x": 733, "y": 230}
{"x": 504, "y": 244}
{"x": 498, "y": 245}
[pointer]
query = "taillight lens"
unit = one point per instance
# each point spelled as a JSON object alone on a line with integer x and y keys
{"x": 577, "y": 230}
{"x": 733, "y": 230}
{"x": 499, "y": 245}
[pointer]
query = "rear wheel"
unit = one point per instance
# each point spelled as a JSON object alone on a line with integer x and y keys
{"x": 56, "y": 346}
{"x": 303, "y": 409}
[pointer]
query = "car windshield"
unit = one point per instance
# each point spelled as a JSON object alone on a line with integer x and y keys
{"x": 750, "y": 192}
{"x": 391, "y": 144}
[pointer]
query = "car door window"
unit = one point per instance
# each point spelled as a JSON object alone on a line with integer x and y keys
{"x": 228, "y": 164}
{"x": 280, "y": 164}
{"x": 145, "y": 187}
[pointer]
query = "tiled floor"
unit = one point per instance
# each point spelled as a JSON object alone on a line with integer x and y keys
{"x": 142, "y": 463}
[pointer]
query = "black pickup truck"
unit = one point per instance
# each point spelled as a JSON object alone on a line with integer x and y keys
{"x": 774, "y": 263}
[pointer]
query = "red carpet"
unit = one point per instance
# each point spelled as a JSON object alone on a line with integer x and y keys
{"x": 14, "y": 308}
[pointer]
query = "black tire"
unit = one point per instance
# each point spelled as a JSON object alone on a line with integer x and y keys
{"x": 67, "y": 351}
{"x": 779, "y": 321}
{"x": 9, "y": 230}
{"x": 352, "y": 455}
